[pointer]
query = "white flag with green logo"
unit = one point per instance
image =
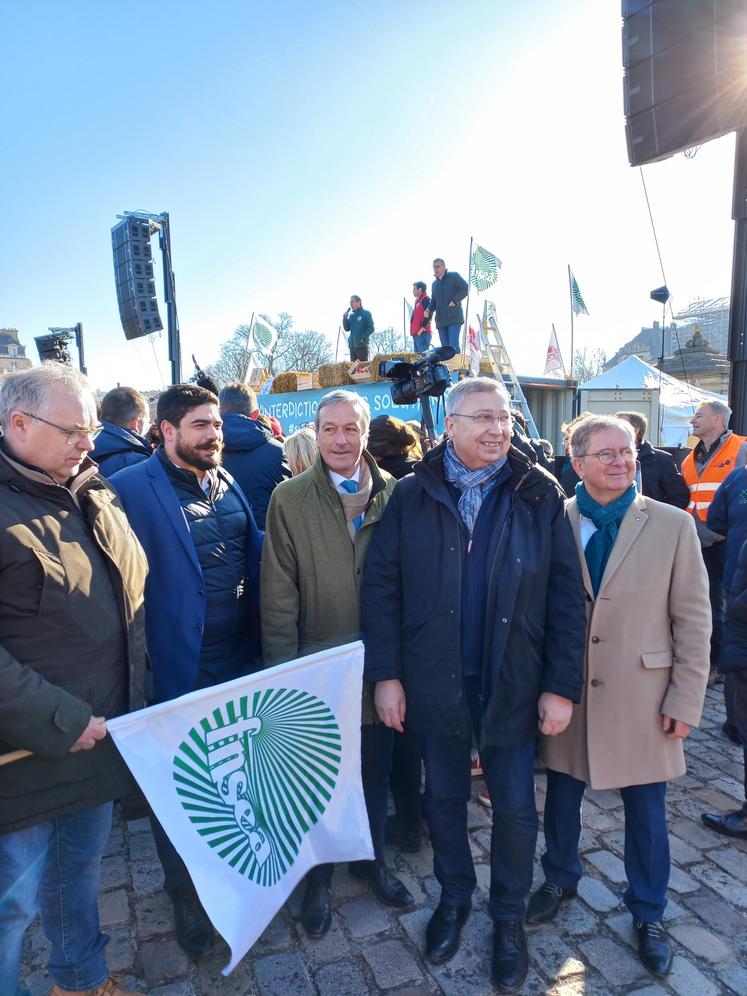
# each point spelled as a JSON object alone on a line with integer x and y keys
{"x": 255, "y": 782}
{"x": 577, "y": 302}
{"x": 264, "y": 335}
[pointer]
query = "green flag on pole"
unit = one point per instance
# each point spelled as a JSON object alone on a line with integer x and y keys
{"x": 483, "y": 269}
{"x": 579, "y": 308}
{"x": 264, "y": 335}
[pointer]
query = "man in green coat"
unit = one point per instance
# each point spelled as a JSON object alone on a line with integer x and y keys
{"x": 318, "y": 528}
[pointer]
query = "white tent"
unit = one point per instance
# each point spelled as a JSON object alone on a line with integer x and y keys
{"x": 677, "y": 400}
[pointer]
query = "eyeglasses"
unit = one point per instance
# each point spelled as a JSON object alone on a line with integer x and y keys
{"x": 73, "y": 436}
{"x": 486, "y": 421}
{"x": 608, "y": 456}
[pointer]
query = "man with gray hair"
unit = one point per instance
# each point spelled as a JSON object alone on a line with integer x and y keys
{"x": 473, "y": 620}
{"x": 72, "y": 654}
{"x": 318, "y": 529}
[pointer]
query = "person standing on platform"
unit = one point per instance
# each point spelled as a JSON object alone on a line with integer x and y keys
{"x": 359, "y": 325}
{"x": 420, "y": 325}
{"x": 449, "y": 289}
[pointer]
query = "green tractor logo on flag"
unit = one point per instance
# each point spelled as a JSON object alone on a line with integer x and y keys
{"x": 256, "y": 775}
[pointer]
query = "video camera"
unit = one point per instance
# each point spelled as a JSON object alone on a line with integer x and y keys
{"x": 425, "y": 378}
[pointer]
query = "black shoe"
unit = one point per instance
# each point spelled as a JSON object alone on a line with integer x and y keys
{"x": 383, "y": 884}
{"x": 194, "y": 931}
{"x": 732, "y": 733}
{"x": 732, "y": 824}
{"x": 654, "y": 948}
{"x": 408, "y": 841}
{"x": 545, "y": 902}
{"x": 443, "y": 930}
{"x": 316, "y": 909}
{"x": 510, "y": 962}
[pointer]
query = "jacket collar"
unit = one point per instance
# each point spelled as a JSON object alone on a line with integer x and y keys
{"x": 634, "y": 520}
{"x": 41, "y": 479}
{"x": 530, "y": 482}
{"x": 379, "y": 477}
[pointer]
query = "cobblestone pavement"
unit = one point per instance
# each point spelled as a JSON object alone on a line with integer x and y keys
{"x": 371, "y": 949}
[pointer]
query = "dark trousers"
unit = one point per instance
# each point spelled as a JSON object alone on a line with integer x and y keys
{"x": 358, "y": 353}
{"x": 714, "y": 558}
{"x": 509, "y": 774}
{"x": 376, "y": 762}
{"x": 646, "y": 842}
{"x": 735, "y": 692}
{"x": 405, "y": 781}
{"x": 177, "y": 881}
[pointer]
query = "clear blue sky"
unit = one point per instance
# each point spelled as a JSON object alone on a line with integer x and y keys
{"x": 309, "y": 151}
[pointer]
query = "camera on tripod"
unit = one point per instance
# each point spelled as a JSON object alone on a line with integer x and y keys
{"x": 425, "y": 378}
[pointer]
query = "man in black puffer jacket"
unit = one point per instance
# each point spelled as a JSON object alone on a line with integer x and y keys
{"x": 473, "y": 620}
{"x": 251, "y": 454}
{"x": 202, "y": 593}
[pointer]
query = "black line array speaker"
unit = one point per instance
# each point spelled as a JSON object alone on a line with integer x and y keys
{"x": 133, "y": 275}
{"x": 685, "y": 80}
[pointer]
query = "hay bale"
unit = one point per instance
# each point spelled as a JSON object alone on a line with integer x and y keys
{"x": 334, "y": 374}
{"x": 290, "y": 381}
{"x": 374, "y": 364}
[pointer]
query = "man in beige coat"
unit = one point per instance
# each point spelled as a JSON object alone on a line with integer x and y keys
{"x": 318, "y": 529}
{"x": 647, "y": 660}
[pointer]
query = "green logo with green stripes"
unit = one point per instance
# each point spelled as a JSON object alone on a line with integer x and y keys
{"x": 256, "y": 774}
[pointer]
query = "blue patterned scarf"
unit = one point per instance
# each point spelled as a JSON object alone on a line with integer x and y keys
{"x": 473, "y": 484}
{"x": 607, "y": 519}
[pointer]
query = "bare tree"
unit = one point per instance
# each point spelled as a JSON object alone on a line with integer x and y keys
{"x": 588, "y": 364}
{"x": 386, "y": 341}
{"x": 292, "y": 350}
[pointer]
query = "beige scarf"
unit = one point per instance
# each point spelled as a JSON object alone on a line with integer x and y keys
{"x": 355, "y": 504}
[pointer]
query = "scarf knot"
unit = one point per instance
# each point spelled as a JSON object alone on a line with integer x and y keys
{"x": 473, "y": 484}
{"x": 607, "y": 519}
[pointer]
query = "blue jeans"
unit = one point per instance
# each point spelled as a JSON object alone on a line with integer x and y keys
{"x": 646, "y": 842}
{"x": 55, "y": 867}
{"x": 451, "y": 335}
{"x": 422, "y": 343}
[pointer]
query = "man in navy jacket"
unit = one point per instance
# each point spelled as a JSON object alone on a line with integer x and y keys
{"x": 473, "y": 621}
{"x": 251, "y": 454}
{"x": 202, "y": 592}
{"x": 448, "y": 291}
{"x": 125, "y": 417}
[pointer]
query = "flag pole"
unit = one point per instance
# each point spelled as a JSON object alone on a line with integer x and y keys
{"x": 466, "y": 306}
{"x": 248, "y": 349}
{"x": 570, "y": 294}
{"x": 337, "y": 344}
{"x": 404, "y": 322}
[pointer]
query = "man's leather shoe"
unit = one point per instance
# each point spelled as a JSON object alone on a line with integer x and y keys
{"x": 545, "y": 902}
{"x": 732, "y": 824}
{"x": 109, "y": 987}
{"x": 510, "y": 962}
{"x": 731, "y": 733}
{"x": 654, "y": 948}
{"x": 443, "y": 931}
{"x": 383, "y": 884}
{"x": 316, "y": 909}
{"x": 409, "y": 841}
{"x": 194, "y": 931}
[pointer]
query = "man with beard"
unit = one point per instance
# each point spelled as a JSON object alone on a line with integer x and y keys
{"x": 202, "y": 593}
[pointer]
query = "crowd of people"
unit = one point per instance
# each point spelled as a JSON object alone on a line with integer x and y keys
{"x": 570, "y": 629}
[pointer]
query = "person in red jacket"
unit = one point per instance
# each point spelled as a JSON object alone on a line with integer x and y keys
{"x": 420, "y": 325}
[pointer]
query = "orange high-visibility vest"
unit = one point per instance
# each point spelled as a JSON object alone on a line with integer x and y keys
{"x": 703, "y": 487}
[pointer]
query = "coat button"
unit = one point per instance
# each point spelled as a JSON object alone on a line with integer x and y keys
{"x": 357, "y": 570}
{"x": 595, "y": 639}
{"x": 504, "y": 620}
{"x": 595, "y": 682}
